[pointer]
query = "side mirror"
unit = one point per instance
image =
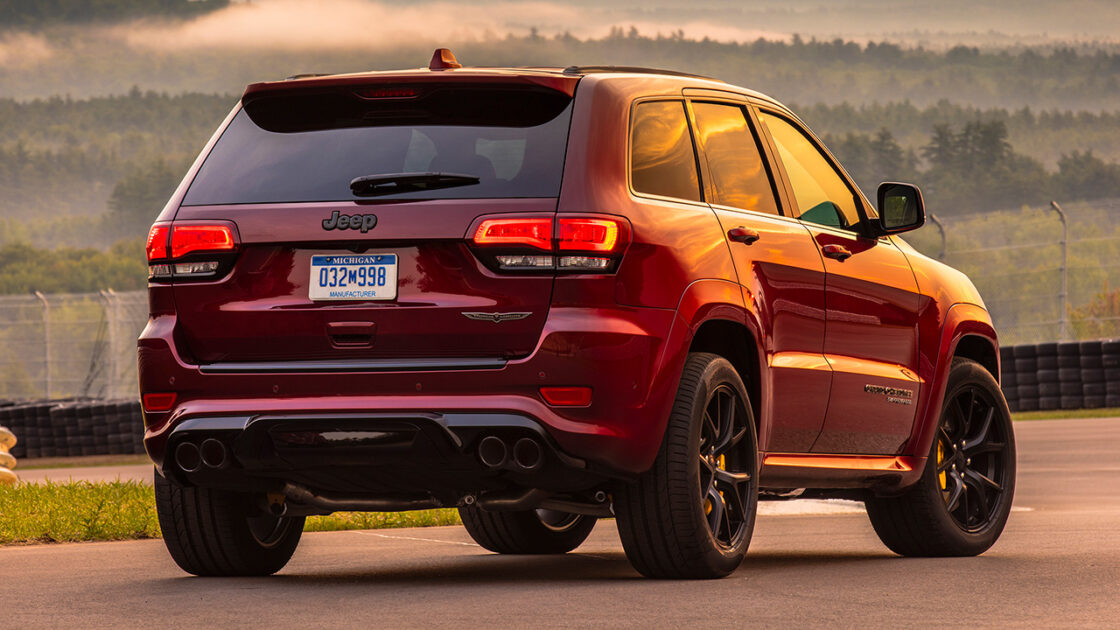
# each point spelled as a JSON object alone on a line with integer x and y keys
{"x": 901, "y": 208}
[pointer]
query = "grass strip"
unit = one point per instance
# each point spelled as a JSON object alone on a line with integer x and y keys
{"x": 85, "y": 511}
{"x": 77, "y": 511}
{"x": 1065, "y": 414}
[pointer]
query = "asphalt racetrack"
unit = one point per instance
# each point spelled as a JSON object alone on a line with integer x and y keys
{"x": 1057, "y": 565}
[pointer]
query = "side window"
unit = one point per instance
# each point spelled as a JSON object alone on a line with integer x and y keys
{"x": 662, "y": 161}
{"x": 738, "y": 174}
{"x": 822, "y": 195}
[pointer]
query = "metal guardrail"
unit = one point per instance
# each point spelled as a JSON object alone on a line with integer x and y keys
{"x": 7, "y": 462}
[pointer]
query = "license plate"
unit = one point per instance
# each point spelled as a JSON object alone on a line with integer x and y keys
{"x": 353, "y": 277}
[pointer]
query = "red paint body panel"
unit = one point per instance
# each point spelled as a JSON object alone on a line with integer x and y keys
{"x": 822, "y": 329}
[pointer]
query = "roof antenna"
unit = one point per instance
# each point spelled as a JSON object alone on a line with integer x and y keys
{"x": 444, "y": 59}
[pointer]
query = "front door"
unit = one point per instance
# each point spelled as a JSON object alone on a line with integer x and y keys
{"x": 871, "y": 299}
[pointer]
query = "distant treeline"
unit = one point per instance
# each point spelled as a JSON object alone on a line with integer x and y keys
{"x": 971, "y": 168}
{"x": 34, "y": 13}
{"x": 90, "y": 172}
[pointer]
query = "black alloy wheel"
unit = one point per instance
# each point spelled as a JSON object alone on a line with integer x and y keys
{"x": 972, "y": 455}
{"x": 725, "y": 470}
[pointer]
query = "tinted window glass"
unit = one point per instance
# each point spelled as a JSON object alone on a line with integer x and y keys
{"x": 662, "y": 161}
{"x": 822, "y": 195}
{"x": 309, "y": 147}
{"x": 738, "y": 173}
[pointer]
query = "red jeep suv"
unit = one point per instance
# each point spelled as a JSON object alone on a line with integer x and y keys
{"x": 546, "y": 296}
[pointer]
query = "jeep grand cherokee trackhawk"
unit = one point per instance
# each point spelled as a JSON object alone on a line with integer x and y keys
{"x": 546, "y": 296}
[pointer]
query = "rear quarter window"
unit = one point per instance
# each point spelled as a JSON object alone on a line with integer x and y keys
{"x": 662, "y": 158}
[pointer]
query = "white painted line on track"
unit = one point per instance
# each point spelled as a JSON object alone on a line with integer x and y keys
{"x": 435, "y": 540}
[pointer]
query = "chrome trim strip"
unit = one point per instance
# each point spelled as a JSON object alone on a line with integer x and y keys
{"x": 353, "y": 365}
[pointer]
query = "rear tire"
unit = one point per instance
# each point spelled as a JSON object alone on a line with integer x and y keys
{"x": 692, "y": 514}
{"x": 960, "y": 505}
{"x": 526, "y": 532}
{"x": 215, "y": 533}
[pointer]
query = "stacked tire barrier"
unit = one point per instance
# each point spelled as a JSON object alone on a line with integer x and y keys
{"x": 74, "y": 427}
{"x": 7, "y": 461}
{"x": 1073, "y": 375}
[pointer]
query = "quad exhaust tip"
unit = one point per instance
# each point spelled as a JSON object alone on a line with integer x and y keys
{"x": 492, "y": 452}
{"x": 188, "y": 457}
{"x": 527, "y": 454}
{"x": 191, "y": 457}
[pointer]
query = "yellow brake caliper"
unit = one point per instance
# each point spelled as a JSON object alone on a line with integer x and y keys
{"x": 942, "y": 478}
{"x": 721, "y": 464}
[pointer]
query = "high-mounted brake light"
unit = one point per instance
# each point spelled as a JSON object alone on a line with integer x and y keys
{"x": 156, "y": 246}
{"x": 535, "y": 232}
{"x": 588, "y": 235}
{"x": 197, "y": 238}
{"x": 385, "y": 93}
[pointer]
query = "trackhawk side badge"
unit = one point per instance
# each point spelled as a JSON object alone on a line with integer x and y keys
{"x": 494, "y": 317}
{"x": 337, "y": 221}
{"x": 893, "y": 394}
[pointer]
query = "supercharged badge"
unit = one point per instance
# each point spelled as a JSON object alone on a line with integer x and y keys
{"x": 337, "y": 221}
{"x": 894, "y": 394}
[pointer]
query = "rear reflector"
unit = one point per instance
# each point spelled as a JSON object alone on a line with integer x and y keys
{"x": 535, "y": 232}
{"x": 588, "y": 235}
{"x": 200, "y": 238}
{"x": 567, "y": 396}
{"x": 159, "y": 402}
{"x": 156, "y": 246}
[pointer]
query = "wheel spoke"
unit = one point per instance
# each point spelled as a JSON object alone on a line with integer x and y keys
{"x": 730, "y": 440}
{"x": 982, "y": 433}
{"x": 946, "y": 464}
{"x": 715, "y": 517}
{"x": 732, "y": 479}
{"x": 980, "y": 479}
{"x": 955, "y": 494}
{"x": 987, "y": 447}
{"x": 966, "y": 415}
{"x": 712, "y": 431}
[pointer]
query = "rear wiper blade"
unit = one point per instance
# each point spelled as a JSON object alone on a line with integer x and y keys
{"x": 392, "y": 183}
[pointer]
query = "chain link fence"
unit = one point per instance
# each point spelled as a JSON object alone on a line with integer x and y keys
{"x": 1047, "y": 273}
{"x": 70, "y": 345}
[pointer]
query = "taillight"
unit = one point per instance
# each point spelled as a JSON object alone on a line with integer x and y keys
{"x": 200, "y": 238}
{"x": 588, "y": 235}
{"x": 532, "y": 232}
{"x": 156, "y": 247}
{"x": 588, "y": 244}
{"x": 167, "y": 244}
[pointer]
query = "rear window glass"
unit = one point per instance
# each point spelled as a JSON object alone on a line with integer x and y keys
{"x": 662, "y": 161}
{"x": 308, "y": 147}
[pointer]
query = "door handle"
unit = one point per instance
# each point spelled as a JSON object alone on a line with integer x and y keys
{"x": 743, "y": 235}
{"x": 839, "y": 252}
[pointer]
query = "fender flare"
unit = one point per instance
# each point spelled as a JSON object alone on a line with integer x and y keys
{"x": 961, "y": 320}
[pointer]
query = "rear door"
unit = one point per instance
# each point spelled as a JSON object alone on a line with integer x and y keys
{"x": 327, "y": 272}
{"x": 779, "y": 269}
{"x": 871, "y": 298}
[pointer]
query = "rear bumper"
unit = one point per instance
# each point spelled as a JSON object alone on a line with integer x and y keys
{"x": 625, "y": 355}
